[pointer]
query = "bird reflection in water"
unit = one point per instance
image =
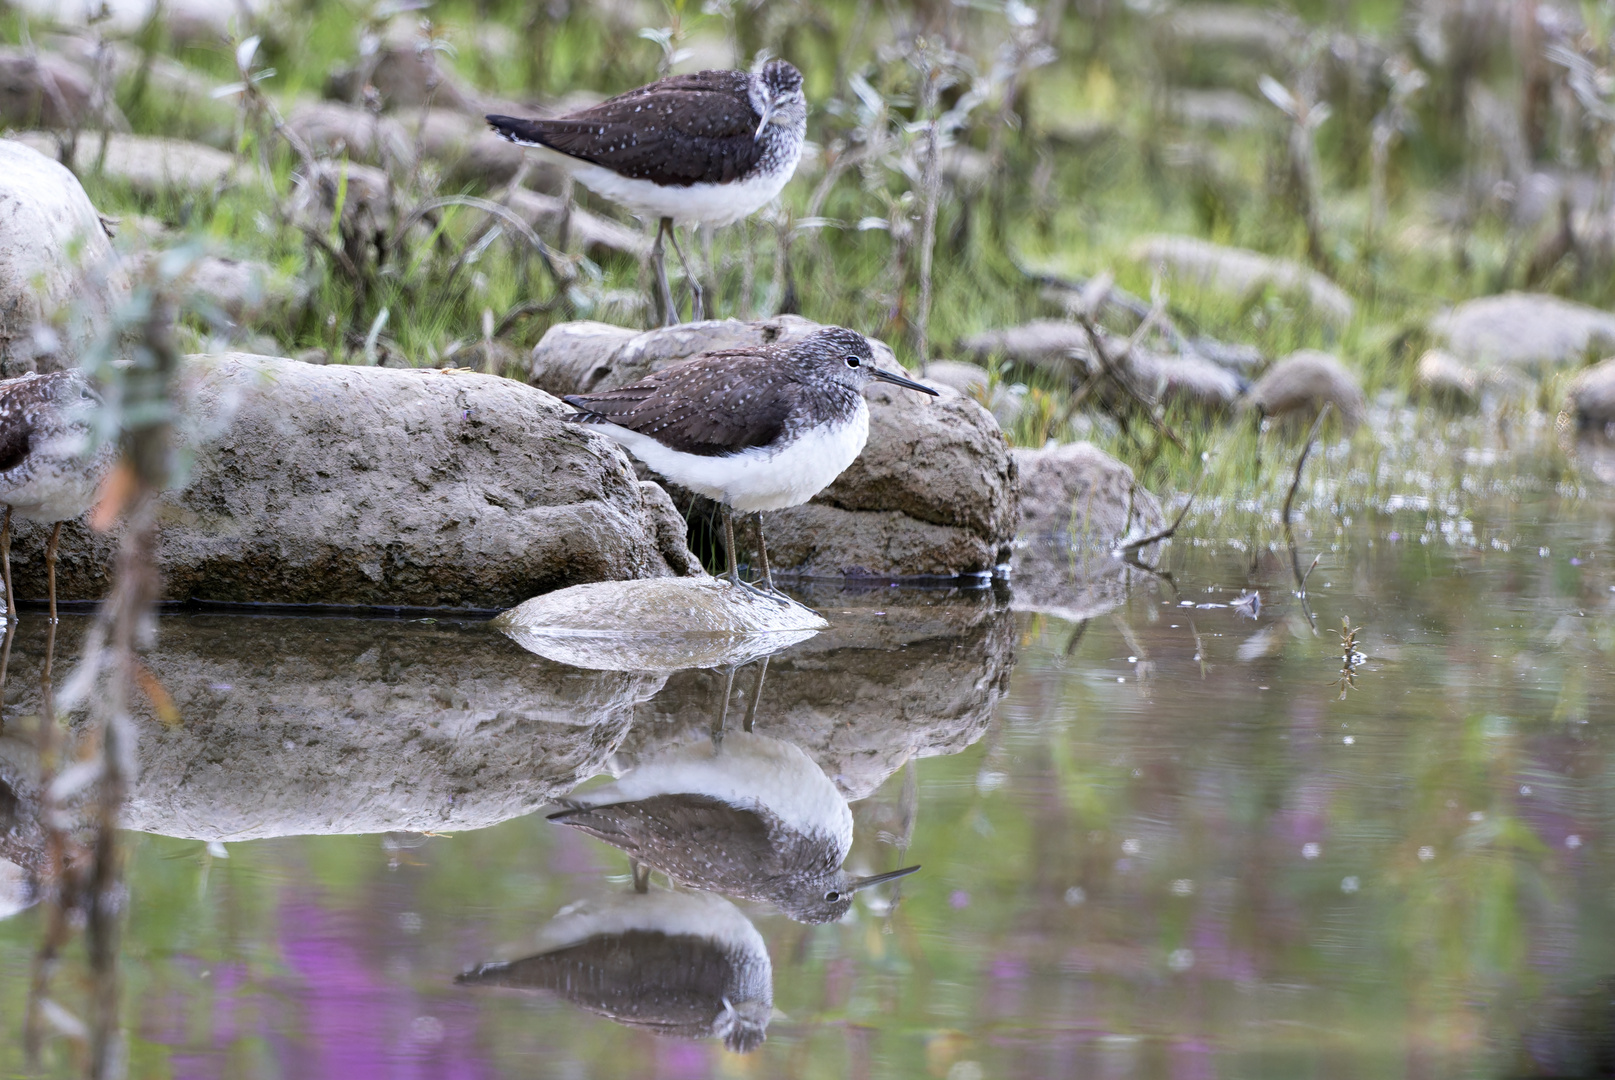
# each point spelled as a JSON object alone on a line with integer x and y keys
{"x": 675, "y": 963}
{"x": 745, "y": 815}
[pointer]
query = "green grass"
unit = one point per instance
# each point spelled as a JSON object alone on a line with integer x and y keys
{"x": 1063, "y": 210}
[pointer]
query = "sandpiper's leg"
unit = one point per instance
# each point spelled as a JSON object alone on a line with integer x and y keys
{"x": 666, "y": 312}
{"x": 768, "y": 575}
{"x": 734, "y": 565}
{"x": 5, "y": 663}
{"x": 641, "y": 874}
{"x": 5, "y": 565}
{"x": 697, "y": 304}
{"x": 50, "y": 567}
{"x": 723, "y": 710}
{"x": 756, "y": 696}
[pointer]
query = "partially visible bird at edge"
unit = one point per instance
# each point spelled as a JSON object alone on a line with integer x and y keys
{"x": 708, "y": 148}
{"x": 48, "y": 471}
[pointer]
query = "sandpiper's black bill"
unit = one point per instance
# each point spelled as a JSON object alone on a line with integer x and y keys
{"x": 886, "y": 376}
{"x": 857, "y": 884}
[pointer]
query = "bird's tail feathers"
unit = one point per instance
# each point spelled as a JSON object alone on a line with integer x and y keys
{"x": 516, "y": 130}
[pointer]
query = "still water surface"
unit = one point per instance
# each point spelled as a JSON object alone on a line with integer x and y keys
{"x": 1155, "y": 843}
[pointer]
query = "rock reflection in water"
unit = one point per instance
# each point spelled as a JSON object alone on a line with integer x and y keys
{"x": 747, "y": 816}
{"x": 675, "y": 963}
{"x": 384, "y": 726}
{"x": 900, "y": 674}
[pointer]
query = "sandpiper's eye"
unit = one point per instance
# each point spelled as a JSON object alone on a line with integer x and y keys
{"x": 853, "y": 361}
{"x": 831, "y": 897}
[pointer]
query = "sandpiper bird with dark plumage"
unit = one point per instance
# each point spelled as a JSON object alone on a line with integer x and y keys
{"x": 48, "y": 473}
{"x": 704, "y": 149}
{"x": 676, "y": 963}
{"x": 751, "y": 816}
{"x": 752, "y": 429}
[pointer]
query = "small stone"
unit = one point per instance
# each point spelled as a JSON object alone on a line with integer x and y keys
{"x": 151, "y": 166}
{"x": 1590, "y": 398}
{"x": 1240, "y": 272}
{"x": 1225, "y": 110}
{"x": 44, "y": 90}
{"x": 1077, "y": 504}
{"x": 657, "y": 625}
{"x": 1235, "y": 28}
{"x": 1302, "y": 382}
{"x": 1532, "y": 331}
{"x": 333, "y": 129}
{"x": 1447, "y": 381}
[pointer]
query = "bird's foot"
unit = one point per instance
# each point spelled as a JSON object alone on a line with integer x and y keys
{"x": 764, "y": 594}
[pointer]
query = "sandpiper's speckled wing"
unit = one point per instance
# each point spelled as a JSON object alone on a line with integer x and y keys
{"x": 720, "y": 403}
{"x": 687, "y": 129}
{"x": 706, "y": 842}
{"x": 672, "y": 983}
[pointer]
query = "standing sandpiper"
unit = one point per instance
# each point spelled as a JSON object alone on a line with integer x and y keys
{"x": 676, "y": 963}
{"x": 45, "y": 473}
{"x": 753, "y": 817}
{"x": 704, "y": 149}
{"x": 752, "y": 429}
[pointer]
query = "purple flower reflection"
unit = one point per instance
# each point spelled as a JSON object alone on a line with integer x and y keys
{"x": 334, "y": 1017}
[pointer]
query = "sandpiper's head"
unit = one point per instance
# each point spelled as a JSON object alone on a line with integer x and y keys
{"x": 777, "y": 96}
{"x": 743, "y": 1025}
{"x": 845, "y": 356}
{"x": 826, "y": 899}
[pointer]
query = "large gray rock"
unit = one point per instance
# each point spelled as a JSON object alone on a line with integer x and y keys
{"x": 1532, "y": 331}
{"x": 1062, "y": 347}
{"x": 328, "y": 726}
{"x": 900, "y": 674}
{"x": 932, "y": 494}
{"x": 376, "y": 486}
{"x": 56, "y": 264}
{"x": 1300, "y": 384}
{"x": 1239, "y": 272}
{"x": 660, "y": 625}
{"x": 149, "y": 166}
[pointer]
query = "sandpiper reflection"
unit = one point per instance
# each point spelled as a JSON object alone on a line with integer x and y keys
{"x": 676, "y": 963}
{"x": 745, "y": 815}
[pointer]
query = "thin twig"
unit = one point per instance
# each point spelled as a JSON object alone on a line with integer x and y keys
{"x": 1108, "y": 366}
{"x": 1301, "y": 462}
{"x": 1132, "y": 546}
{"x": 1289, "y": 533}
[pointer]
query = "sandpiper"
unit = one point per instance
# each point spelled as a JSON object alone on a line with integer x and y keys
{"x": 704, "y": 149}
{"x": 752, "y": 429}
{"x": 48, "y": 473}
{"x": 752, "y": 817}
{"x": 684, "y": 964}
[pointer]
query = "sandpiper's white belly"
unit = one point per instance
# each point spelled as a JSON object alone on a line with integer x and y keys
{"x": 697, "y": 914}
{"x": 759, "y": 478}
{"x": 747, "y": 770}
{"x": 697, "y": 204}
